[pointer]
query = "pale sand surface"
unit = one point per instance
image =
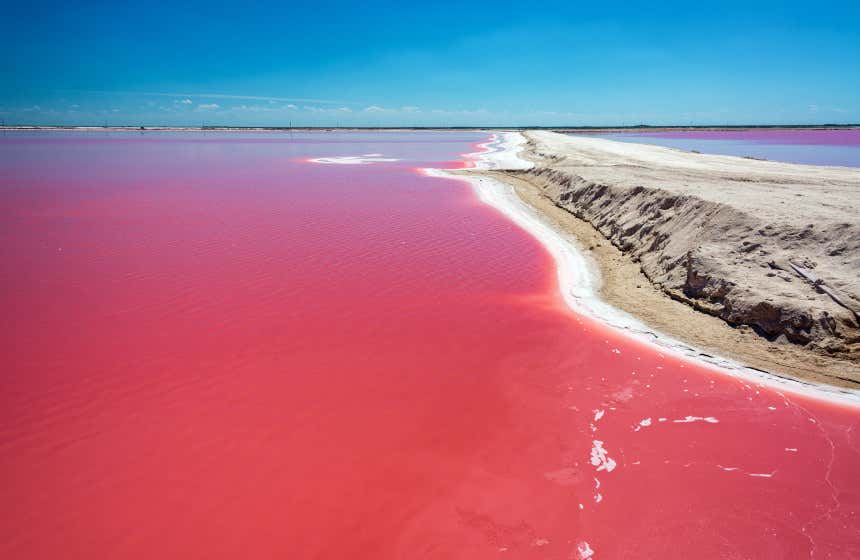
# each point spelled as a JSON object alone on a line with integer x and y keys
{"x": 662, "y": 222}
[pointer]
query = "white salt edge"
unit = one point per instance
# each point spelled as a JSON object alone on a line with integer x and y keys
{"x": 579, "y": 277}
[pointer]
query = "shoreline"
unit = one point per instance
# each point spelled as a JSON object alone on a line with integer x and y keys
{"x": 589, "y": 286}
{"x": 563, "y": 129}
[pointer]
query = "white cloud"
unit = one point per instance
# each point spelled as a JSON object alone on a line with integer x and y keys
{"x": 410, "y": 109}
{"x": 229, "y": 96}
{"x": 182, "y": 101}
{"x": 254, "y": 108}
{"x": 207, "y": 106}
{"x": 463, "y": 112}
{"x": 291, "y": 106}
{"x": 373, "y": 109}
{"x": 326, "y": 111}
{"x": 821, "y": 109}
{"x": 258, "y": 108}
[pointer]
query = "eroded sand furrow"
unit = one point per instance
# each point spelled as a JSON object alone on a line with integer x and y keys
{"x": 722, "y": 260}
{"x": 769, "y": 247}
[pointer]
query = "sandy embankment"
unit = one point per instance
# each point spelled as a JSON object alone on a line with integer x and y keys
{"x": 760, "y": 260}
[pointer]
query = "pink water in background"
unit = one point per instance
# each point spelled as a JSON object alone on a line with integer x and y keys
{"x": 809, "y": 146}
{"x": 214, "y": 349}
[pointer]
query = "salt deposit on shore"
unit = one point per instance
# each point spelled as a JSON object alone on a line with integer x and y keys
{"x": 579, "y": 273}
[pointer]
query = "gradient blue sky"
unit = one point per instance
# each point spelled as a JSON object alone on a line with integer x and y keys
{"x": 446, "y": 63}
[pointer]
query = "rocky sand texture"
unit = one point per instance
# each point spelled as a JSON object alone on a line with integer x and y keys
{"x": 773, "y": 246}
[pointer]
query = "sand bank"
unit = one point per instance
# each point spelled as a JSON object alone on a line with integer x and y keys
{"x": 606, "y": 278}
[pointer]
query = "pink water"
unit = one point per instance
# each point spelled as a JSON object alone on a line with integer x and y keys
{"x": 809, "y": 146}
{"x": 215, "y": 349}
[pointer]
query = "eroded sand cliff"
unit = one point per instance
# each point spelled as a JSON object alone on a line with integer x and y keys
{"x": 772, "y": 246}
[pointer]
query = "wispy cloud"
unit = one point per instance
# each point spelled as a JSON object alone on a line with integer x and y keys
{"x": 268, "y": 108}
{"x": 374, "y": 109}
{"x": 254, "y": 108}
{"x": 324, "y": 110}
{"x": 223, "y": 96}
{"x": 185, "y": 101}
{"x": 818, "y": 108}
{"x": 208, "y": 106}
{"x": 466, "y": 112}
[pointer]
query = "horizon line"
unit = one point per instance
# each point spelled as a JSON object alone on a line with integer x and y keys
{"x": 417, "y": 127}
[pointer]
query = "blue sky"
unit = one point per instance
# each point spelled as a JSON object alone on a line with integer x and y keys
{"x": 446, "y": 63}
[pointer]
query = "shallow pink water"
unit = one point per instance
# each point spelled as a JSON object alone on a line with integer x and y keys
{"x": 215, "y": 349}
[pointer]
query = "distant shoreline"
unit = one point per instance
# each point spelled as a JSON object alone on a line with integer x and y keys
{"x": 568, "y": 129}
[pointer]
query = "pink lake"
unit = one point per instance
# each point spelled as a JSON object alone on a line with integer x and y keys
{"x": 214, "y": 348}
